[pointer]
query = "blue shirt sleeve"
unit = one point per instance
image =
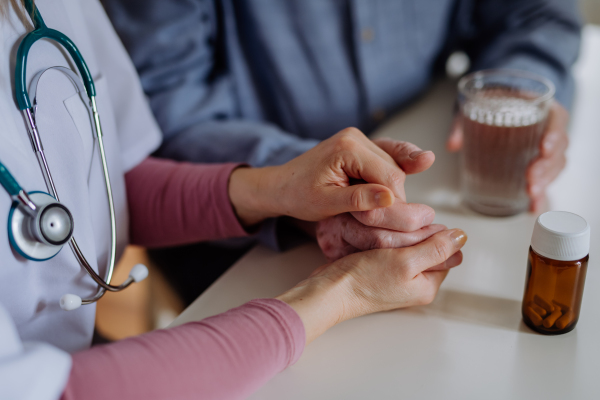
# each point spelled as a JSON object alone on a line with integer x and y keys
{"x": 175, "y": 47}
{"x": 540, "y": 36}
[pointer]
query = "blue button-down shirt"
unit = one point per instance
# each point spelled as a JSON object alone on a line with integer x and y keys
{"x": 262, "y": 81}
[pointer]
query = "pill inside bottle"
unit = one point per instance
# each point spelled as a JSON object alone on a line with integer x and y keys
{"x": 556, "y": 269}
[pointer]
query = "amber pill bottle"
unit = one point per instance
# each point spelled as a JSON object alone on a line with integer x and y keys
{"x": 556, "y": 268}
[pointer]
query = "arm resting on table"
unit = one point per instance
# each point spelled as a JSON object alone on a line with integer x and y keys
{"x": 227, "y": 356}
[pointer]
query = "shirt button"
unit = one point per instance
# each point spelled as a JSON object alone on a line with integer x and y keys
{"x": 367, "y": 35}
{"x": 378, "y": 115}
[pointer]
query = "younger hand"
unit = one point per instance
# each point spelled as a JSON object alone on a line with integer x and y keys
{"x": 317, "y": 184}
{"x": 373, "y": 281}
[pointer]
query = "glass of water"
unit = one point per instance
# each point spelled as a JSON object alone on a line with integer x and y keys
{"x": 503, "y": 114}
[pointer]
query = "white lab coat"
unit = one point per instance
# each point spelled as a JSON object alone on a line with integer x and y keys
{"x": 36, "y": 336}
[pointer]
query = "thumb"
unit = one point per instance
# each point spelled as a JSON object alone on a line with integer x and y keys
{"x": 455, "y": 140}
{"x": 362, "y": 197}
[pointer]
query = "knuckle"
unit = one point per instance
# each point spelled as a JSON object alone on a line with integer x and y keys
{"x": 345, "y": 142}
{"x": 397, "y": 178}
{"x": 440, "y": 250}
{"x": 400, "y": 147}
{"x": 351, "y": 131}
{"x": 357, "y": 199}
{"x": 412, "y": 222}
{"x": 403, "y": 148}
{"x": 371, "y": 218}
{"x": 382, "y": 240}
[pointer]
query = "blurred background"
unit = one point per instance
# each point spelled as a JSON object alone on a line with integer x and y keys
{"x": 152, "y": 303}
{"x": 591, "y": 11}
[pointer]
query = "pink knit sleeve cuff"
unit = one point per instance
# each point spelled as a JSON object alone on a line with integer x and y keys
{"x": 221, "y": 191}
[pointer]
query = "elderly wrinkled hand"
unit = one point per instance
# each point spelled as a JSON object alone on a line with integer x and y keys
{"x": 343, "y": 234}
{"x": 399, "y": 225}
{"x": 550, "y": 161}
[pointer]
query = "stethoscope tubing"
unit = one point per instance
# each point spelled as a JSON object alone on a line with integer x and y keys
{"x": 38, "y": 149}
{"x": 41, "y": 31}
{"x": 24, "y": 103}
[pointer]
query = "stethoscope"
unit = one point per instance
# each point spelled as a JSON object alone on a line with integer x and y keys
{"x": 39, "y": 225}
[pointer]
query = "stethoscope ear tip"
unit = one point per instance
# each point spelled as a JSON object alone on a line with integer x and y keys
{"x": 139, "y": 272}
{"x": 70, "y": 302}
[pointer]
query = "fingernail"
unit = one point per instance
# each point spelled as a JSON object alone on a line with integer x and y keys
{"x": 384, "y": 199}
{"x": 459, "y": 238}
{"x": 428, "y": 219}
{"x": 415, "y": 154}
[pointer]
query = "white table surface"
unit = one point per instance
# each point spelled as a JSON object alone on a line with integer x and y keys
{"x": 470, "y": 343}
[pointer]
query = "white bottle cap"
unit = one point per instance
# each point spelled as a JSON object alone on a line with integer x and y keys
{"x": 561, "y": 235}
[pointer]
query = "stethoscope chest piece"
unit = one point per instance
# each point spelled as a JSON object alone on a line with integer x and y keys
{"x": 53, "y": 226}
{"x": 38, "y": 224}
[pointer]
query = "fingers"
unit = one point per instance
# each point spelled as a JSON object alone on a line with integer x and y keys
{"x": 356, "y": 157}
{"x": 542, "y": 172}
{"x": 435, "y": 280}
{"x": 404, "y": 217}
{"x": 455, "y": 140}
{"x": 430, "y": 280}
{"x": 435, "y": 250}
{"x": 555, "y": 137}
{"x": 430, "y": 283}
{"x": 359, "y": 162}
{"x": 408, "y": 156}
{"x": 361, "y": 197}
{"x": 427, "y": 284}
{"x": 539, "y": 204}
{"x": 342, "y": 235}
{"x": 454, "y": 261}
{"x": 367, "y": 238}
{"x": 554, "y": 142}
{"x": 552, "y": 159}
{"x": 384, "y": 161}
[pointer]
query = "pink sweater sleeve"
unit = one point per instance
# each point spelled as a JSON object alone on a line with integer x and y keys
{"x": 228, "y": 356}
{"x": 175, "y": 203}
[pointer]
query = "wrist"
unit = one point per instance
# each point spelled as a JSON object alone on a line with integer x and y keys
{"x": 251, "y": 196}
{"x": 320, "y": 303}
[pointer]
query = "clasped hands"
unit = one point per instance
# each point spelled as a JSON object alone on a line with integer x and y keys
{"x": 383, "y": 252}
{"x": 317, "y": 187}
